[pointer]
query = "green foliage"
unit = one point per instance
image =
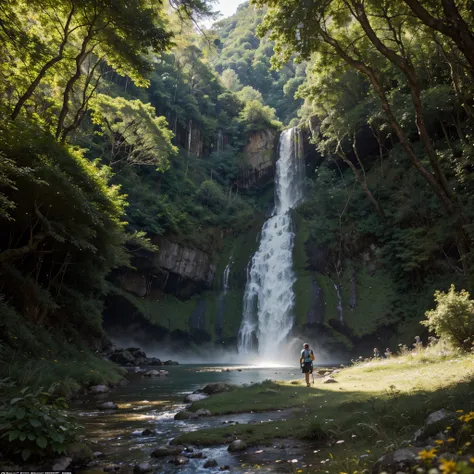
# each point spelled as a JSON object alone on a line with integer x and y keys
{"x": 35, "y": 424}
{"x": 257, "y": 116}
{"x": 314, "y": 432}
{"x": 453, "y": 317}
{"x": 135, "y": 134}
{"x": 230, "y": 80}
{"x": 243, "y": 60}
{"x": 66, "y": 229}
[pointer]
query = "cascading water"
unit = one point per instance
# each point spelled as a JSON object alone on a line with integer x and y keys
{"x": 222, "y": 298}
{"x": 269, "y": 298}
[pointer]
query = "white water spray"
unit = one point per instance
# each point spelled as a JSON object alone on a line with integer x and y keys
{"x": 269, "y": 297}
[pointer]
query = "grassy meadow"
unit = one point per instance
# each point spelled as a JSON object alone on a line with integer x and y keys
{"x": 374, "y": 408}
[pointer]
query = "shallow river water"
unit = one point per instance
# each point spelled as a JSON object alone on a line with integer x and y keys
{"x": 152, "y": 402}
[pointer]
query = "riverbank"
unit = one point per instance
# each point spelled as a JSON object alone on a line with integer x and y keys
{"x": 363, "y": 413}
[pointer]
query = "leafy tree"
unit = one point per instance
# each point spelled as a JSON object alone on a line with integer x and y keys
{"x": 366, "y": 36}
{"x": 92, "y": 31}
{"x": 231, "y": 81}
{"x": 248, "y": 93}
{"x": 135, "y": 134}
{"x": 257, "y": 116}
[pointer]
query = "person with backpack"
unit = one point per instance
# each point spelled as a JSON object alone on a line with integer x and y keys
{"x": 306, "y": 361}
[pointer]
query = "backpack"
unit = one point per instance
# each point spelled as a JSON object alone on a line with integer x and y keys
{"x": 310, "y": 355}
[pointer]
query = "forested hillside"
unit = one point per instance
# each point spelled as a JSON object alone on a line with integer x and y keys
{"x": 103, "y": 133}
{"x": 137, "y": 160}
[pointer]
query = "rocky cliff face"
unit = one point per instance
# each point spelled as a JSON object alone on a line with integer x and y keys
{"x": 260, "y": 153}
{"x": 176, "y": 270}
{"x": 188, "y": 263}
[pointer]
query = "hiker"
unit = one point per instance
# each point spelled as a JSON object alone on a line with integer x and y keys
{"x": 376, "y": 353}
{"x": 306, "y": 361}
{"x": 388, "y": 353}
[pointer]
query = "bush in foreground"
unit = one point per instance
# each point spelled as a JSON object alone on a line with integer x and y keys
{"x": 453, "y": 317}
{"x": 35, "y": 424}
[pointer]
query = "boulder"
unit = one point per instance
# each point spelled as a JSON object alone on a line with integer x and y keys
{"x": 80, "y": 453}
{"x": 98, "y": 454}
{"x": 179, "y": 461}
{"x": 107, "y": 406}
{"x": 136, "y": 352}
{"x": 237, "y": 445}
{"x": 400, "y": 460}
{"x": 97, "y": 389}
{"x": 329, "y": 380}
{"x": 224, "y": 468}
{"x": 148, "y": 432}
{"x": 203, "y": 412}
{"x": 134, "y": 370}
{"x": 154, "y": 361}
{"x": 112, "y": 468}
{"x": 152, "y": 373}
{"x": 142, "y": 468}
{"x": 210, "y": 463}
{"x": 166, "y": 450}
{"x": 170, "y": 362}
{"x": 185, "y": 415}
{"x": 164, "y": 373}
{"x": 217, "y": 387}
{"x": 437, "y": 422}
{"x": 122, "y": 357}
{"x": 194, "y": 397}
{"x": 62, "y": 464}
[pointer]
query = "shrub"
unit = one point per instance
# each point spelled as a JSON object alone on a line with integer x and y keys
{"x": 35, "y": 424}
{"x": 453, "y": 317}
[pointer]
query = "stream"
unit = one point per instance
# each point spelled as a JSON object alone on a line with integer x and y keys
{"x": 152, "y": 402}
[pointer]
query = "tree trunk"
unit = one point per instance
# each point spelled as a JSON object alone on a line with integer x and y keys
{"x": 453, "y": 26}
{"x": 361, "y": 180}
{"x": 80, "y": 58}
{"x": 83, "y": 108}
{"x": 404, "y": 65}
{"x": 45, "y": 68}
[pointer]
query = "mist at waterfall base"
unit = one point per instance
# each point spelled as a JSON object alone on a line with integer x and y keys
{"x": 286, "y": 355}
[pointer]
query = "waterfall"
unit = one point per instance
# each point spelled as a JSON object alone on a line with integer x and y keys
{"x": 269, "y": 298}
{"x": 222, "y": 297}
{"x": 339, "y": 302}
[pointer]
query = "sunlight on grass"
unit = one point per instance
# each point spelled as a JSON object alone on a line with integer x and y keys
{"x": 374, "y": 407}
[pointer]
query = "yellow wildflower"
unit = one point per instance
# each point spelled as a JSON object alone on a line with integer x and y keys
{"x": 448, "y": 467}
{"x": 427, "y": 455}
{"x": 471, "y": 460}
{"x": 468, "y": 417}
{"x": 55, "y": 361}
{"x": 467, "y": 443}
{"x": 459, "y": 411}
{"x": 439, "y": 441}
{"x": 451, "y": 440}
